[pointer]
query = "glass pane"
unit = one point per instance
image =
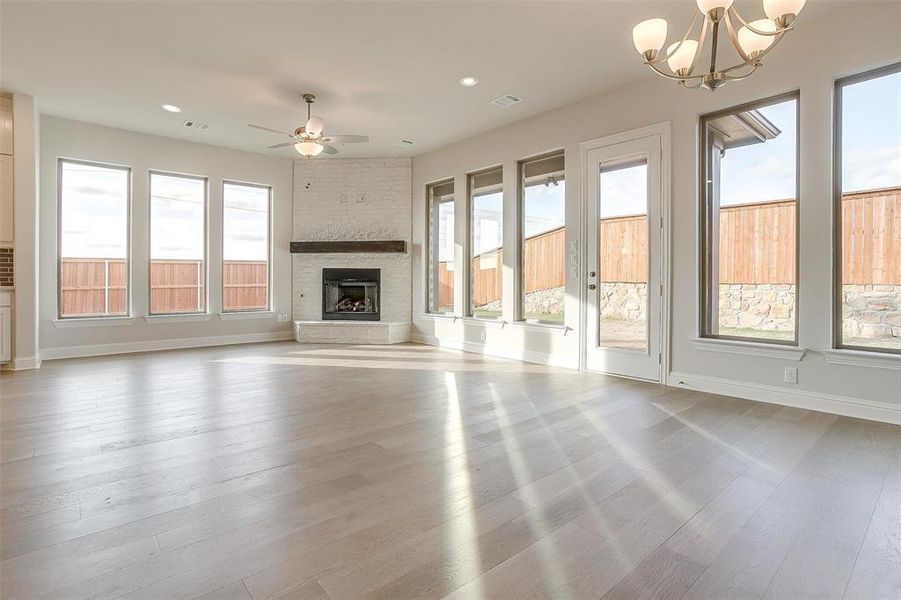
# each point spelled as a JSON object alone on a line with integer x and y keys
{"x": 623, "y": 259}
{"x": 544, "y": 250}
{"x": 93, "y": 241}
{"x": 487, "y": 253}
{"x": 245, "y": 247}
{"x": 752, "y": 236}
{"x": 871, "y": 213}
{"x": 441, "y": 254}
{"x": 177, "y": 244}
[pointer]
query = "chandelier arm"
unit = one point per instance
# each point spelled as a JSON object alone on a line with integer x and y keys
{"x": 779, "y": 30}
{"x": 667, "y": 55}
{"x": 756, "y": 61}
{"x": 740, "y": 77}
{"x": 734, "y": 38}
{"x": 701, "y": 39}
{"x": 673, "y": 77}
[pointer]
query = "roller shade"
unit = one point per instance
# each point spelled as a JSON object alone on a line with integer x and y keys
{"x": 486, "y": 179}
{"x": 443, "y": 189}
{"x": 544, "y": 167}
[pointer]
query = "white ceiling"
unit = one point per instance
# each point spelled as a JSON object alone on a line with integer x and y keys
{"x": 389, "y": 70}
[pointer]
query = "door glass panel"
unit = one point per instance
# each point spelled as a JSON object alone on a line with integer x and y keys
{"x": 623, "y": 255}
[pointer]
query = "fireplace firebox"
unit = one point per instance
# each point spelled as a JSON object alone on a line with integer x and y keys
{"x": 350, "y": 294}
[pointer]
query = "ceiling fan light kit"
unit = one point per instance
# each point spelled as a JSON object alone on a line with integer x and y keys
{"x": 752, "y": 41}
{"x": 308, "y": 139}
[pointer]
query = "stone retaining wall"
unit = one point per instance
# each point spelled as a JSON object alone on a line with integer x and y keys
{"x": 765, "y": 307}
{"x": 871, "y": 311}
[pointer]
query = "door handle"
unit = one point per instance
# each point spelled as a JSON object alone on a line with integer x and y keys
{"x": 592, "y": 286}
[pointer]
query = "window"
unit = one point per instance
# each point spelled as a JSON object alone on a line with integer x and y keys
{"x": 177, "y": 244}
{"x": 868, "y": 211}
{"x": 93, "y": 239}
{"x": 543, "y": 239}
{"x": 623, "y": 254}
{"x": 441, "y": 247}
{"x": 486, "y": 241}
{"x": 245, "y": 247}
{"x": 749, "y": 210}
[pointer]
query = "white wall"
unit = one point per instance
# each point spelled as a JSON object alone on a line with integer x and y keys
{"x": 26, "y": 187}
{"x": 62, "y": 138}
{"x": 808, "y": 59}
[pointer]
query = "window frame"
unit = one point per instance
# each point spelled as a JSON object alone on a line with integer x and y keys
{"x": 206, "y": 242}
{"x": 60, "y": 161}
{"x": 837, "y": 219}
{"x": 431, "y": 239}
{"x": 269, "y": 232}
{"x": 470, "y": 246}
{"x": 519, "y": 306}
{"x": 705, "y": 261}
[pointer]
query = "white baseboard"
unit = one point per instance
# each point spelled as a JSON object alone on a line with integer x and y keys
{"x": 529, "y": 356}
{"x": 168, "y": 344}
{"x": 25, "y": 363}
{"x": 872, "y": 410}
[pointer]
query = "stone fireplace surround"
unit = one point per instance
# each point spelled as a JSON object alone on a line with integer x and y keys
{"x": 352, "y": 200}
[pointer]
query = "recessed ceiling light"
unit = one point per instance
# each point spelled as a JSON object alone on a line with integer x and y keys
{"x": 468, "y": 81}
{"x": 171, "y": 108}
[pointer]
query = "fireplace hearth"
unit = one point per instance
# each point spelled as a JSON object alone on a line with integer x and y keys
{"x": 351, "y": 294}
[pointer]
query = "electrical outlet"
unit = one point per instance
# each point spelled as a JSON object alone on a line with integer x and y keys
{"x": 791, "y": 374}
{"x": 482, "y": 335}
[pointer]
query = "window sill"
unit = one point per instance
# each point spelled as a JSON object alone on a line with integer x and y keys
{"x": 548, "y": 328}
{"x": 93, "y": 322}
{"x": 749, "y": 348}
{"x": 250, "y": 314}
{"x": 861, "y": 358}
{"x": 154, "y": 319}
{"x": 438, "y": 317}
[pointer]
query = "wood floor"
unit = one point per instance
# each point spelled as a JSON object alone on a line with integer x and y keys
{"x": 300, "y": 471}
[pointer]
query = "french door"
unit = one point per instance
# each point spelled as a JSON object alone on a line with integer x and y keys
{"x": 623, "y": 274}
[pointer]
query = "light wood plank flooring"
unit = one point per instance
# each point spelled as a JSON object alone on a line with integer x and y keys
{"x": 300, "y": 471}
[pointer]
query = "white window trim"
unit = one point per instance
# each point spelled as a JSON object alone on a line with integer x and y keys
{"x": 176, "y": 318}
{"x": 92, "y": 322}
{"x": 863, "y": 358}
{"x": 764, "y": 349}
{"x": 240, "y": 315}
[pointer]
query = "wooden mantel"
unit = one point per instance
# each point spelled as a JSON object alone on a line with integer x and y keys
{"x": 350, "y": 246}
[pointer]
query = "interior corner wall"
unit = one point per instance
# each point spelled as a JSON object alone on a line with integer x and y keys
{"x": 62, "y": 138}
{"x": 26, "y": 187}
{"x": 801, "y": 62}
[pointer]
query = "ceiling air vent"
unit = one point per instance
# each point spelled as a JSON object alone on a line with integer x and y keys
{"x": 196, "y": 125}
{"x": 403, "y": 143}
{"x": 506, "y": 100}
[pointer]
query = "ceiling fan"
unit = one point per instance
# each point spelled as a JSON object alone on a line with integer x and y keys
{"x": 308, "y": 139}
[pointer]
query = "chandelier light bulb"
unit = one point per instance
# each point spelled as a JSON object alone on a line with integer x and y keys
{"x": 754, "y": 43}
{"x": 706, "y": 6}
{"x": 649, "y": 37}
{"x": 308, "y": 148}
{"x": 681, "y": 57}
{"x": 783, "y": 12}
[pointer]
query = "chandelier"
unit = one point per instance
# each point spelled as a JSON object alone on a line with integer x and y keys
{"x": 752, "y": 41}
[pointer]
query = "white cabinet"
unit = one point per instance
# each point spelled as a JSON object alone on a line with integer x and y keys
{"x": 5, "y": 327}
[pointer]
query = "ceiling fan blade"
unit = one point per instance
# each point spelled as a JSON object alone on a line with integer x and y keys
{"x": 285, "y": 145}
{"x": 345, "y": 139}
{"x": 329, "y": 149}
{"x": 269, "y": 129}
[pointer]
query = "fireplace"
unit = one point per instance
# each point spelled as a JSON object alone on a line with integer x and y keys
{"x": 350, "y": 294}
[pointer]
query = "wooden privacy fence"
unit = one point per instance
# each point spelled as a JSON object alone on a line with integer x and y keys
{"x": 757, "y": 246}
{"x": 96, "y": 286}
{"x": 871, "y": 239}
